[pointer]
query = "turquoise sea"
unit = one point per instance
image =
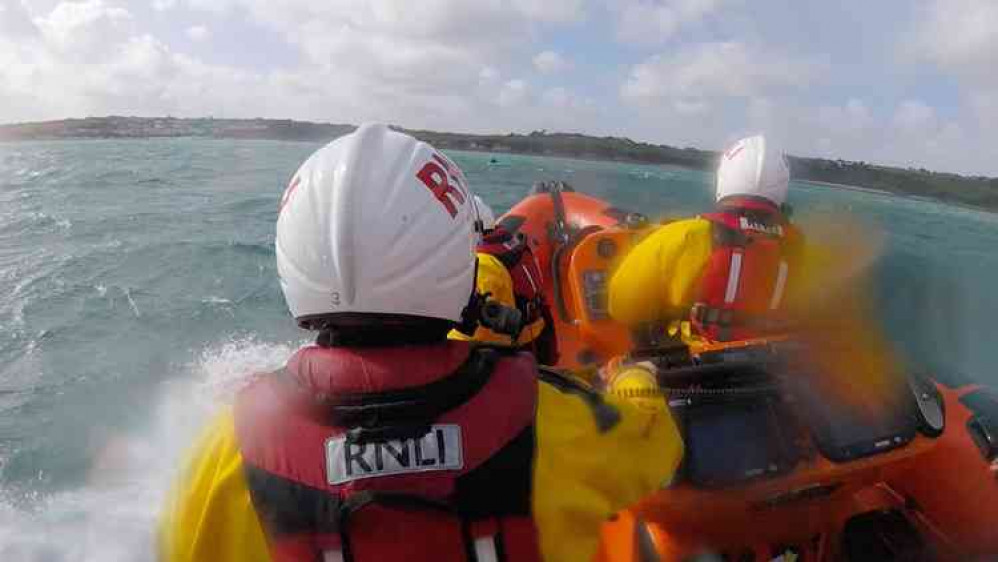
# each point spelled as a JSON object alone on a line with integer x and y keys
{"x": 138, "y": 288}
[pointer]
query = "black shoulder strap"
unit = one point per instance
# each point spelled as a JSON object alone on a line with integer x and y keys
{"x": 512, "y": 256}
{"x": 409, "y": 412}
{"x": 377, "y": 416}
{"x": 607, "y": 416}
{"x": 726, "y": 237}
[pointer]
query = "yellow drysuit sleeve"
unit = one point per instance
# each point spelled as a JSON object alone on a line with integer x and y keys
{"x": 582, "y": 475}
{"x": 660, "y": 275}
{"x": 210, "y": 517}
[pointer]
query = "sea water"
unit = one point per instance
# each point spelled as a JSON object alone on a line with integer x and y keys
{"x": 138, "y": 290}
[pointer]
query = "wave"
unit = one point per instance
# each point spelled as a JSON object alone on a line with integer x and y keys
{"x": 266, "y": 250}
{"x": 34, "y": 223}
{"x": 113, "y": 517}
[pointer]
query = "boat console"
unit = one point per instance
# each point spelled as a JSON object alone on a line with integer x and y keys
{"x": 749, "y": 413}
{"x": 780, "y": 459}
{"x": 764, "y": 437}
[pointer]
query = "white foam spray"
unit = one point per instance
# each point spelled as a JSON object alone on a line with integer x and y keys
{"x": 113, "y": 517}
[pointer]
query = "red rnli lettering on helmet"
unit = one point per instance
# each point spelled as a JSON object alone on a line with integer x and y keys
{"x": 439, "y": 177}
{"x": 440, "y": 449}
{"x": 288, "y": 192}
{"x": 734, "y": 150}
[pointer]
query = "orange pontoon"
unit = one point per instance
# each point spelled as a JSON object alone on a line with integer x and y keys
{"x": 772, "y": 469}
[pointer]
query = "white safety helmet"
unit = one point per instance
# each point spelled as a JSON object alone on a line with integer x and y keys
{"x": 376, "y": 222}
{"x": 485, "y": 214}
{"x": 752, "y": 167}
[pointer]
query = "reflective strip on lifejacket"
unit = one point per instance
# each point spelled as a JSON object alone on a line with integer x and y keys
{"x": 734, "y": 273}
{"x": 781, "y": 284}
{"x": 332, "y": 556}
{"x": 485, "y": 549}
{"x": 530, "y": 278}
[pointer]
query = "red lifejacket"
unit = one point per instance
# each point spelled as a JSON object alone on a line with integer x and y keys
{"x": 528, "y": 281}
{"x": 515, "y": 254}
{"x": 742, "y": 289}
{"x": 407, "y": 453}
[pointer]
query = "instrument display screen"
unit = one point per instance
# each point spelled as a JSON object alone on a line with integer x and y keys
{"x": 857, "y": 422}
{"x": 594, "y": 289}
{"x": 731, "y": 442}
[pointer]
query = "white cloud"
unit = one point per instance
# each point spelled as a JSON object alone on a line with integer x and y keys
{"x": 983, "y": 100}
{"x": 459, "y": 65}
{"x": 15, "y": 21}
{"x": 198, "y": 33}
{"x": 960, "y": 36}
{"x": 914, "y": 116}
{"x": 644, "y": 22}
{"x": 853, "y": 118}
{"x": 556, "y": 97}
{"x": 215, "y": 6}
{"x": 690, "y": 107}
{"x": 488, "y": 76}
{"x": 417, "y": 63}
{"x": 88, "y": 59}
{"x": 550, "y": 62}
{"x": 82, "y": 30}
{"x": 164, "y": 5}
{"x": 912, "y": 134}
{"x": 921, "y": 137}
{"x": 513, "y": 92}
{"x": 698, "y": 73}
{"x": 564, "y": 99}
{"x": 552, "y": 11}
{"x": 437, "y": 63}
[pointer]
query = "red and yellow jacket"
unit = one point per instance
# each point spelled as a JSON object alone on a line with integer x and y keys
{"x": 582, "y": 469}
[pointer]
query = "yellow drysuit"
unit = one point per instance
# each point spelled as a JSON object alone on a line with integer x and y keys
{"x": 660, "y": 278}
{"x": 581, "y": 477}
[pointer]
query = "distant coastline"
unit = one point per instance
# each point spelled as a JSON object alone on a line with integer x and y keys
{"x": 972, "y": 191}
{"x": 848, "y": 187}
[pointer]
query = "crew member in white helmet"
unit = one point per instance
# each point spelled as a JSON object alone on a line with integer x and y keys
{"x": 385, "y": 440}
{"x": 724, "y": 275}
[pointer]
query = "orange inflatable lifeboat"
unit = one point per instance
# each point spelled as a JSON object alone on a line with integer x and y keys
{"x": 577, "y": 240}
{"x": 773, "y": 469}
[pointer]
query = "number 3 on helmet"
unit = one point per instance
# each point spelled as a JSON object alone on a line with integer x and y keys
{"x": 381, "y": 221}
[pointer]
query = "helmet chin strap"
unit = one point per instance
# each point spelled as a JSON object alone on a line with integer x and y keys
{"x": 787, "y": 209}
{"x": 469, "y": 316}
{"x": 479, "y": 224}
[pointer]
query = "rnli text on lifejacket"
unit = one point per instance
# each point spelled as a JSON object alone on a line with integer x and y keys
{"x": 440, "y": 449}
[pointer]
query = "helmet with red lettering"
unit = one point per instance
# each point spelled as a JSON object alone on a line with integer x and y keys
{"x": 376, "y": 226}
{"x": 752, "y": 167}
{"x": 485, "y": 214}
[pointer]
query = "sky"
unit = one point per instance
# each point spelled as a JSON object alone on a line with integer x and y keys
{"x": 900, "y": 82}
